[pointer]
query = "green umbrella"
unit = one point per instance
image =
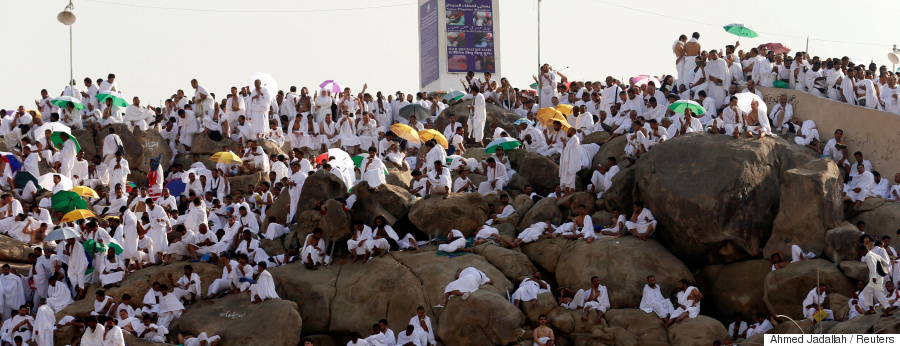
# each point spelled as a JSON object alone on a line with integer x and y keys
{"x": 740, "y": 30}
{"x": 358, "y": 160}
{"x": 93, "y": 247}
{"x": 680, "y": 105}
{"x": 23, "y": 177}
{"x": 454, "y": 95}
{"x": 506, "y": 143}
{"x": 64, "y": 101}
{"x": 57, "y": 140}
{"x": 118, "y": 101}
{"x": 66, "y": 201}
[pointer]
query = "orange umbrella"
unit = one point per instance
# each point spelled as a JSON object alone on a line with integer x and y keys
{"x": 406, "y": 132}
{"x": 429, "y": 134}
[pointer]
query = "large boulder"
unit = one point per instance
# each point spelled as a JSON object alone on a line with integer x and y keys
{"x": 238, "y": 322}
{"x": 437, "y": 216}
{"x": 390, "y": 201}
{"x": 856, "y": 270}
{"x": 700, "y": 331}
{"x": 155, "y": 145}
{"x": 540, "y": 171}
{"x": 496, "y": 117}
{"x": 279, "y": 210}
{"x": 545, "y": 253}
{"x": 737, "y": 178}
{"x": 614, "y": 148}
{"x": 738, "y": 288}
{"x": 880, "y": 221}
{"x": 810, "y": 206}
{"x": 622, "y": 265}
{"x": 336, "y": 225}
{"x": 133, "y": 153}
{"x": 398, "y": 175}
{"x": 569, "y": 204}
{"x": 320, "y": 187}
{"x": 786, "y": 288}
{"x": 312, "y": 290}
{"x": 204, "y": 146}
{"x": 544, "y": 209}
{"x": 12, "y": 250}
{"x": 514, "y": 264}
{"x": 241, "y": 182}
{"x": 85, "y": 138}
{"x": 621, "y": 193}
{"x": 270, "y": 148}
{"x": 643, "y": 325}
{"x": 841, "y": 242}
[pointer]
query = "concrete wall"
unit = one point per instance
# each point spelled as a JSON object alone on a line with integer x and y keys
{"x": 874, "y": 133}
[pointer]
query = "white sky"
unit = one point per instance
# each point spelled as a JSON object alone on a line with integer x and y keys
{"x": 156, "y": 51}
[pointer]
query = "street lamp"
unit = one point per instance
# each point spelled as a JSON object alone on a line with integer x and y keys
{"x": 894, "y": 57}
{"x": 68, "y": 18}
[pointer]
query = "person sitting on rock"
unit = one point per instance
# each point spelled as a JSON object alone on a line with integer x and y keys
{"x": 617, "y": 228}
{"x": 187, "y": 289}
{"x": 422, "y": 324}
{"x": 150, "y": 331}
{"x": 762, "y": 325}
{"x": 543, "y": 335}
{"x": 383, "y": 238}
{"x": 486, "y": 233}
{"x": 532, "y": 233}
{"x": 738, "y": 328}
{"x": 357, "y": 245}
{"x": 170, "y": 307}
{"x": 377, "y": 337}
{"x": 467, "y": 281}
{"x": 104, "y": 305}
{"x": 861, "y": 187}
{"x": 264, "y": 288}
{"x": 313, "y": 250}
{"x": 455, "y": 241}
{"x": 688, "y": 303}
{"x": 596, "y": 298}
{"x": 778, "y": 261}
{"x": 408, "y": 337}
{"x": 529, "y": 289}
{"x": 355, "y": 340}
{"x": 642, "y": 223}
{"x": 652, "y": 300}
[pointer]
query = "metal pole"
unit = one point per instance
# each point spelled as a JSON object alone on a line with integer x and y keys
{"x": 538, "y": 92}
{"x": 71, "y": 72}
{"x": 807, "y": 44}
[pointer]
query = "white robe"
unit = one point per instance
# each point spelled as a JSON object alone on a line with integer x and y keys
{"x": 652, "y": 300}
{"x": 570, "y": 163}
{"x": 44, "y": 324}
{"x": 478, "y": 119}
{"x": 137, "y": 117}
{"x": 264, "y": 287}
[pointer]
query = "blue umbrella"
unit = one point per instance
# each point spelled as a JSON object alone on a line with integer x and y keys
{"x": 176, "y": 187}
{"x": 523, "y": 120}
{"x": 62, "y": 234}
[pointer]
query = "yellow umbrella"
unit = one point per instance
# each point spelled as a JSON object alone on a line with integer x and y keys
{"x": 227, "y": 158}
{"x": 545, "y": 115}
{"x": 406, "y": 132}
{"x": 429, "y": 134}
{"x": 77, "y": 214}
{"x": 564, "y": 109}
{"x": 85, "y": 191}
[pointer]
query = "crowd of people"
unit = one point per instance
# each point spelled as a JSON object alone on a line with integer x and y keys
{"x": 212, "y": 222}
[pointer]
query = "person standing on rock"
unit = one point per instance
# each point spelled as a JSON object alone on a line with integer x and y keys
{"x": 877, "y": 271}
{"x": 569, "y": 162}
{"x": 298, "y": 178}
{"x": 478, "y": 117}
{"x": 688, "y": 303}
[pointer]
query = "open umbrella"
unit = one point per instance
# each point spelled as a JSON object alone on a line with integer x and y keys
{"x": 117, "y": 98}
{"x": 565, "y": 109}
{"x": 57, "y": 140}
{"x": 745, "y": 99}
{"x": 506, "y": 143}
{"x": 12, "y": 160}
{"x": 226, "y": 157}
{"x": 333, "y": 86}
{"x": 266, "y": 82}
{"x": 645, "y": 79}
{"x": 776, "y": 47}
{"x": 680, "y": 105}
{"x": 39, "y": 133}
{"x": 62, "y": 234}
{"x": 176, "y": 187}
{"x": 406, "y": 132}
{"x": 63, "y": 101}
{"x": 414, "y": 109}
{"x": 359, "y": 159}
{"x": 92, "y": 246}
{"x": 22, "y": 179}
{"x": 740, "y": 30}
{"x": 46, "y": 181}
{"x": 66, "y": 201}
{"x": 76, "y": 215}
{"x": 322, "y": 158}
{"x": 523, "y": 121}
{"x": 546, "y": 115}
{"x": 453, "y": 95}
{"x": 429, "y": 134}
{"x": 85, "y": 191}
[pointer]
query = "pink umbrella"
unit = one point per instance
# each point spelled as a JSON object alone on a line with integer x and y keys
{"x": 776, "y": 47}
{"x": 645, "y": 79}
{"x": 333, "y": 86}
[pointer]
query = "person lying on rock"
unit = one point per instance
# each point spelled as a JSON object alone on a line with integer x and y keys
{"x": 486, "y": 233}
{"x": 455, "y": 242}
{"x": 529, "y": 289}
{"x": 532, "y": 233}
{"x": 467, "y": 281}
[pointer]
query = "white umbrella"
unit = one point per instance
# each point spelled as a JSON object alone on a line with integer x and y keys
{"x": 341, "y": 156}
{"x": 62, "y": 234}
{"x": 197, "y": 173}
{"x": 267, "y": 82}
{"x": 744, "y": 100}
{"x": 46, "y": 181}
{"x": 53, "y": 127}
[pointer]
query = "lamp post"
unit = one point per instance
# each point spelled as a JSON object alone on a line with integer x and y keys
{"x": 68, "y": 18}
{"x": 538, "y": 91}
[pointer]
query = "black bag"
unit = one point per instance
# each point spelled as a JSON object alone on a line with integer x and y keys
{"x": 394, "y": 245}
{"x": 880, "y": 269}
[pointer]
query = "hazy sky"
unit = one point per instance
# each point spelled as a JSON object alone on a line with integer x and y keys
{"x": 155, "y": 51}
